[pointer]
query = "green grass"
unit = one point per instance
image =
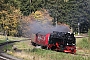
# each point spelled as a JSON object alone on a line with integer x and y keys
{"x": 42, "y": 54}
{"x": 2, "y": 39}
{"x": 10, "y": 38}
{"x": 78, "y": 40}
{"x": 46, "y": 54}
{"x": 53, "y": 55}
{"x": 7, "y": 47}
{"x": 84, "y": 44}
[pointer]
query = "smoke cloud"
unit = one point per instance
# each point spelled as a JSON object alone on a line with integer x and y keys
{"x": 45, "y": 27}
{"x": 40, "y": 22}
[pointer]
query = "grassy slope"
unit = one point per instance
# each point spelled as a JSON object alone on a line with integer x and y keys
{"x": 2, "y": 39}
{"x": 28, "y": 52}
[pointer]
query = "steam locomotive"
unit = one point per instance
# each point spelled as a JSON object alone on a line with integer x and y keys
{"x": 59, "y": 41}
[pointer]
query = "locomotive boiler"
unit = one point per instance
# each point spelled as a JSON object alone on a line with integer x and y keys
{"x": 59, "y": 41}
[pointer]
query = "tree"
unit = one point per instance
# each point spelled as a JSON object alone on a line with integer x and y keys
{"x": 9, "y": 17}
{"x": 68, "y": 11}
{"x": 29, "y": 6}
{"x": 80, "y": 15}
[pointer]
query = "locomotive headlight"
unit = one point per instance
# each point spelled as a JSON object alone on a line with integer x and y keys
{"x": 73, "y": 44}
{"x": 67, "y": 43}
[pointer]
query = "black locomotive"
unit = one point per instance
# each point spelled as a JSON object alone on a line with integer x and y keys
{"x": 60, "y": 41}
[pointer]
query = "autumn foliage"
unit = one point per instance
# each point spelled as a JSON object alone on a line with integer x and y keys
{"x": 9, "y": 18}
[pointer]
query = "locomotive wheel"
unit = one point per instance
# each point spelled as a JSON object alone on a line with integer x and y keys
{"x": 61, "y": 48}
{"x": 34, "y": 44}
{"x": 53, "y": 48}
{"x": 43, "y": 47}
{"x": 48, "y": 48}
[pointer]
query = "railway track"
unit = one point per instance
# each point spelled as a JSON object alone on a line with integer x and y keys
{"x": 4, "y": 56}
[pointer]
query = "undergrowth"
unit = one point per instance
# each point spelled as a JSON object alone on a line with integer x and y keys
{"x": 53, "y": 55}
{"x": 84, "y": 44}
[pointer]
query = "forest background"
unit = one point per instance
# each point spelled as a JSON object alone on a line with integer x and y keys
{"x": 15, "y": 15}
